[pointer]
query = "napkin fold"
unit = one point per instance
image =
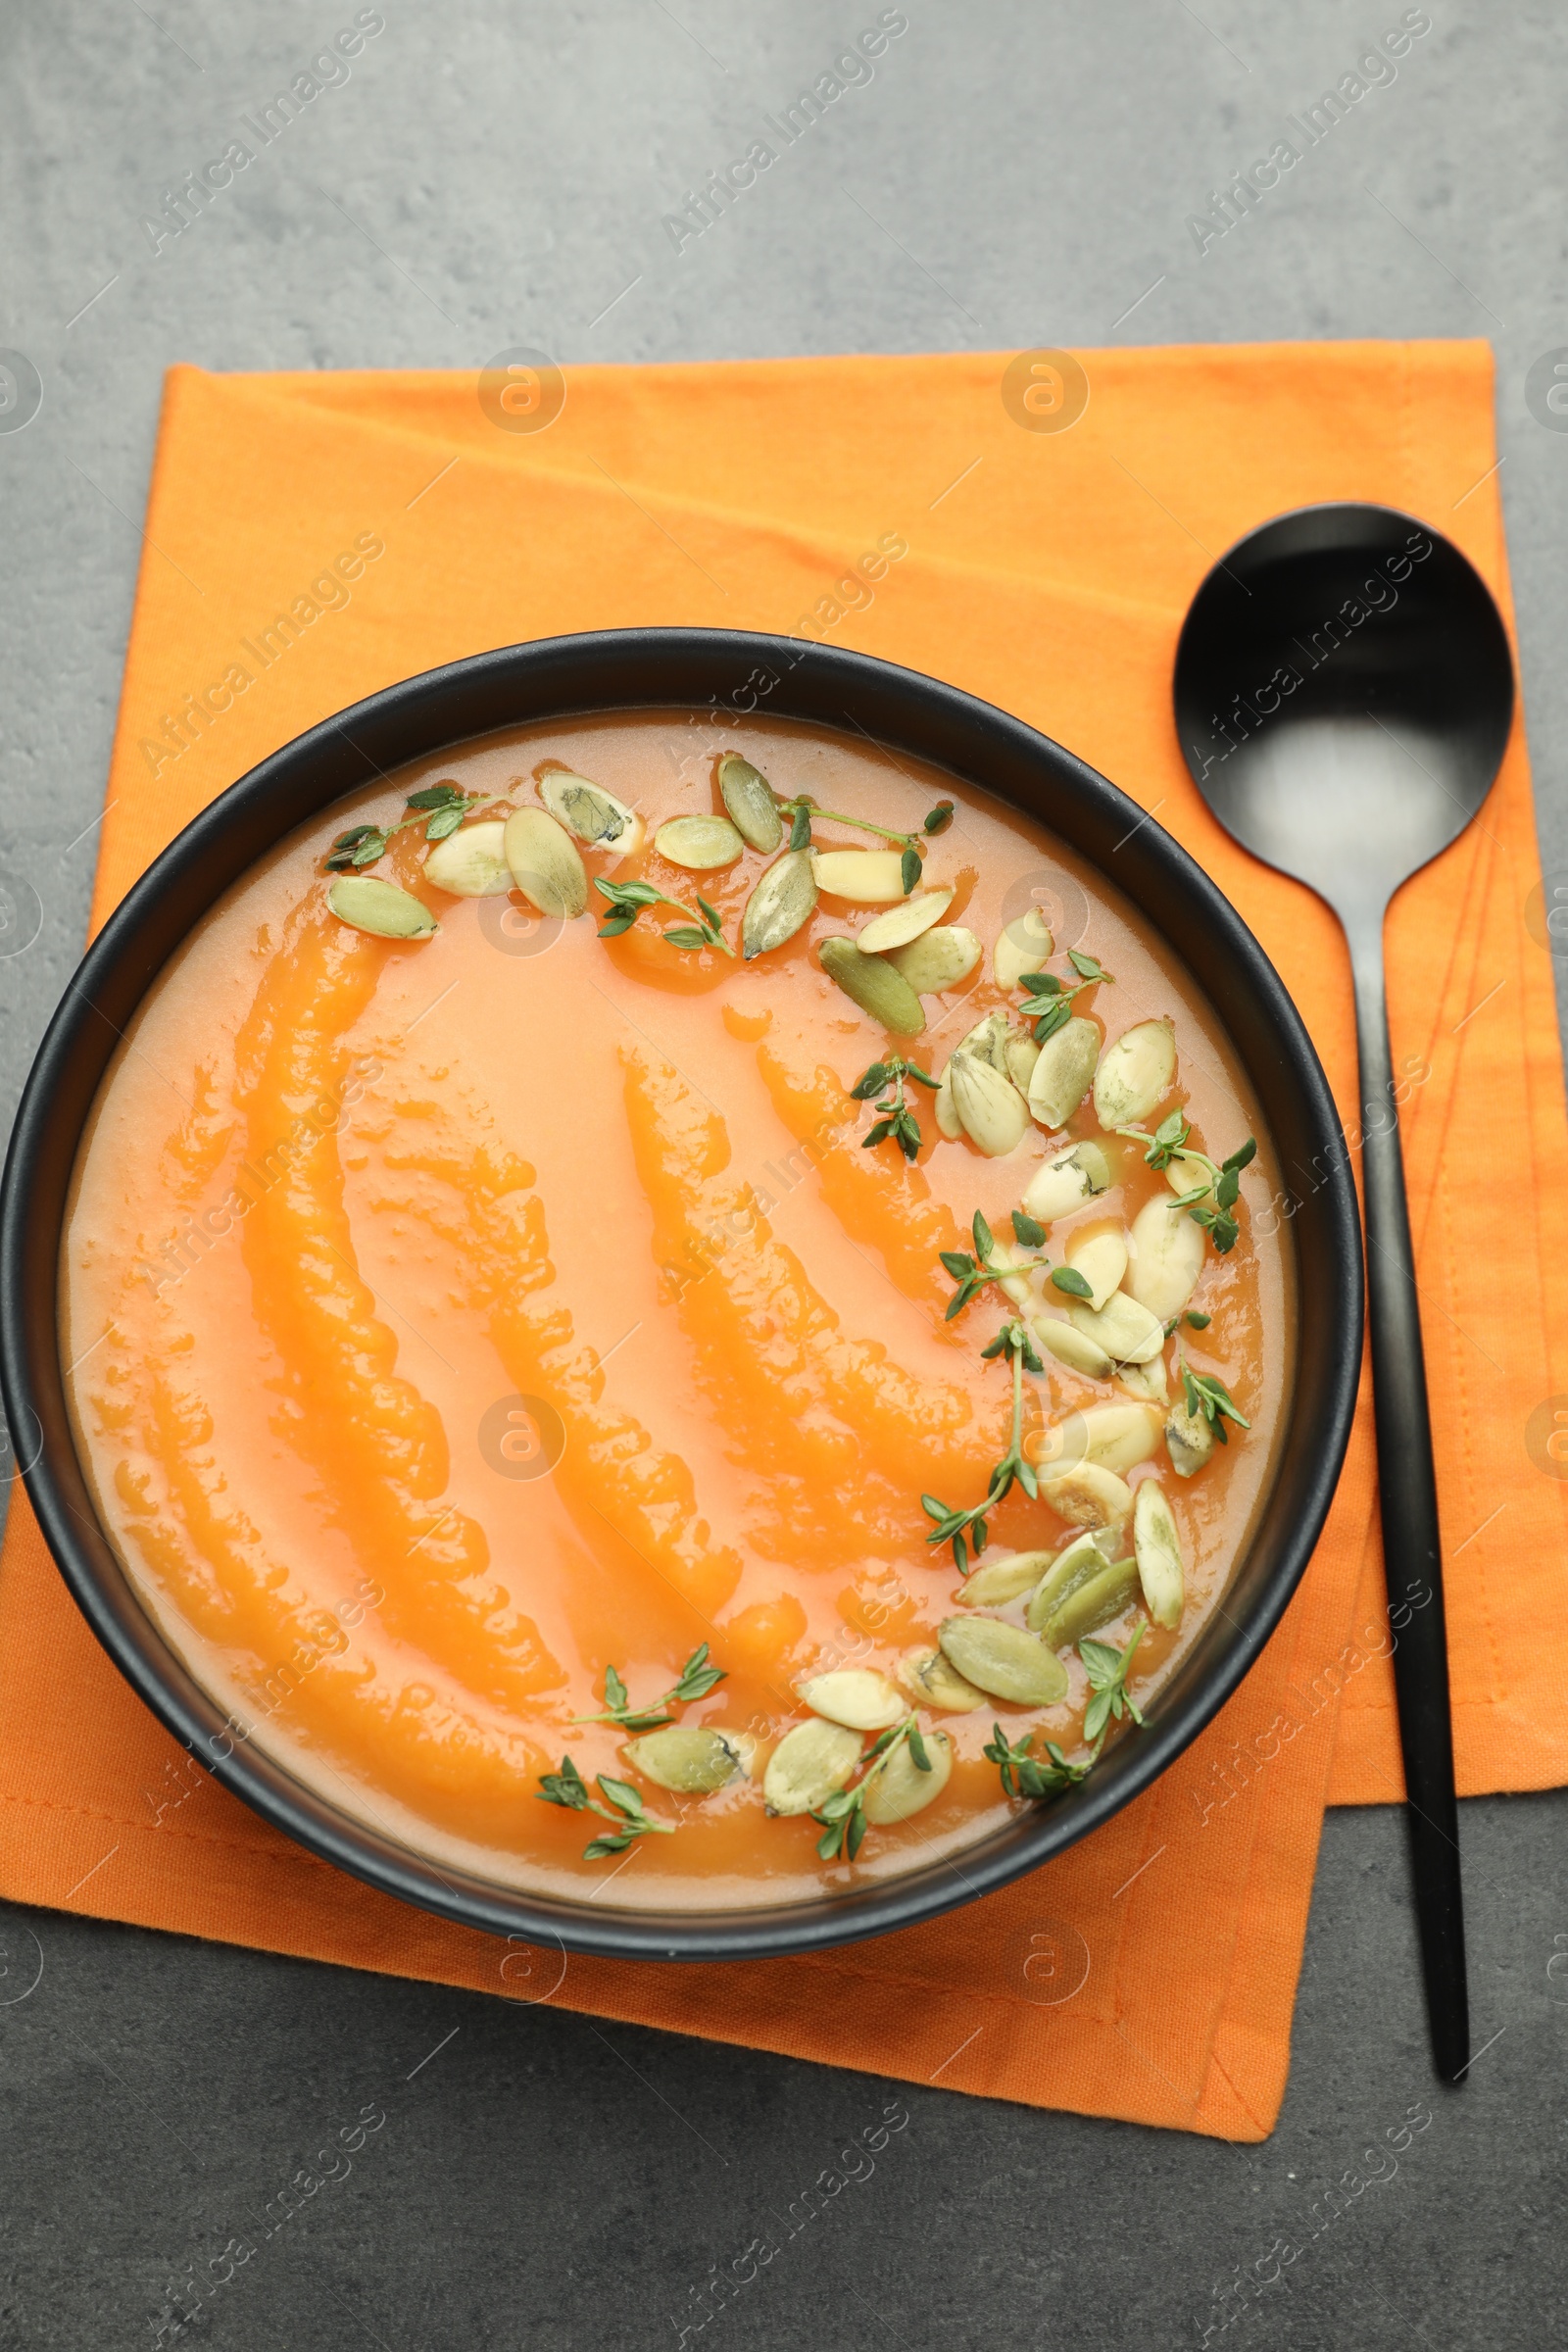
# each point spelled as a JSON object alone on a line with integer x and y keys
{"x": 1149, "y": 1973}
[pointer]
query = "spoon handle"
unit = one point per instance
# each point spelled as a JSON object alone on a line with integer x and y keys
{"x": 1408, "y": 1504}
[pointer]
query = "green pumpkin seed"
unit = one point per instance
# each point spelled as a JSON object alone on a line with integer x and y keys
{"x": 1157, "y": 1549}
{"x": 1070, "y": 1347}
{"x": 947, "y": 1118}
{"x": 784, "y": 899}
{"x": 866, "y": 877}
{"x": 1024, "y": 947}
{"x": 1067, "y": 1182}
{"x": 545, "y": 863}
{"x": 471, "y": 863}
{"x": 933, "y": 1682}
{"x": 1119, "y": 1436}
{"x": 1004, "y": 1661}
{"x": 1167, "y": 1258}
{"x": 896, "y": 1786}
{"x": 1100, "y": 1255}
{"x": 939, "y": 960}
{"x": 857, "y": 1697}
{"x": 808, "y": 1765}
{"x": 1072, "y": 1567}
{"x": 1135, "y": 1074}
{"x": 689, "y": 1758}
{"x": 1146, "y": 1382}
{"x": 1001, "y": 1581}
{"x": 1088, "y": 1495}
{"x": 993, "y": 1114}
{"x": 592, "y": 813}
{"x": 699, "y": 843}
{"x": 1189, "y": 1441}
{"x": 871, "y": 982}
{"x": 379, "y": 907}
{"x": 1126, "y": 1331}
{"x": 901, "y": 924}
{"x": 1094, "y": 1604}
{"x": 753, "y": 808}
{"x": 1064, "y": 1071}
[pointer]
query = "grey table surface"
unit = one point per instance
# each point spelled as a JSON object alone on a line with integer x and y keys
{"x": 1013, "y": 175}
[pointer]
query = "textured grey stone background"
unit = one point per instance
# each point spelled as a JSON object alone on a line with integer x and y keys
{"x": 495, "y": 176}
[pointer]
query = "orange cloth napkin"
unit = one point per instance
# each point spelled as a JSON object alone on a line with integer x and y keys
{"x": 1149, "y": 1974}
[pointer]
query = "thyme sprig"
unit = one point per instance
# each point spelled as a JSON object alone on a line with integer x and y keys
{"x": 1208, "y": 1397}
{"x": 1171, "y": 1140}
{"x": 1052, "y": 1008}
{"x": 442, "y": 807}
{"x": 1107, "y": 1668}
{"x": 629, "y": 899}
{"x": 972, "y": 1273}
{"x": 843, "y": 1814}
{"x": 629, "y": 1816}
{"x": 966, "y": 1530}
{"x": 802, "y": 812}
{"x": 898, "y": 1120}
{"x": 696, "y": 1679}
{"x": 1026, "y": 1775}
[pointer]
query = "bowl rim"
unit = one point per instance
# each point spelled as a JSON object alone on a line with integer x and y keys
{"x": 601, "y": 672}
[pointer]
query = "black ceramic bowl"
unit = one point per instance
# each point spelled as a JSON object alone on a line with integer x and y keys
{"x": 686, "y": 667}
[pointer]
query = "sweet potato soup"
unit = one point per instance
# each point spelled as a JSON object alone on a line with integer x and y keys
{"x": 676, "y": 1315}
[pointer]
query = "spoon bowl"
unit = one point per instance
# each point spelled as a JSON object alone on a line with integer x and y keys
{"x": 1344, "y": 694}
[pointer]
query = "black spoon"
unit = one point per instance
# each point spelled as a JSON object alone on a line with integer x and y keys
{"x": 1344, "y": 694}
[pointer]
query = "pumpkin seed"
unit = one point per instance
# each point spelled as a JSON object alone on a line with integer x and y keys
{"x": 784, "y": 899}
{"x": 901, "y": 924}
{"x": 932, "y": 1682}
{"x": 1090, "y": 1495}
{"x": 866, "y": 877}
{"x": 938, "y": 959}
{"x": 872, "y": 983}
{"x": 1100, "y": 1255}
{"x": 947, "y": 1118}
{"x": 1070, "y": 1347}
{"x": 995, "y": 1115}
{"x": 1135, "y": 1074}
{"x": 1082, "y": 1559}
{"x": 1157, "y": 1549}
{"x": 545, "y": 864}
{"x": 1015, "y": 1285}
{"x": 896, "y": 1786}
{"x": 1095, "y": 1603}
{"x": 1188, "y": 1175}
{"x": 592, "y": 813}
{"x": 379, "y": 907}
{"x": 857, "y": 1697}
{"x": 1121, "y": 1436}
{"x": 689, "y": 1758}
{"x": 1025, "y": 946}
{"x": 1167, "y": 1257}
{"x": 753, "y": 810}
{"x": 1189, "y": 1441}
{"x": 1004, "y": 1661}
{"x": 1064, "y": 1072}
{"x": 1067, "y": 1182}
{"x": 471, "y": 863}
{"x": 808, "y": 1765}
{"x": 1126, "y": 1331}
{"x": 1146, "y": 1381}
{"x": 1002, "y": 1580}
{"x": 987, "y": 1041}
{"x": 1021, "y": 1053}
{"x": 699, "y": 843}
